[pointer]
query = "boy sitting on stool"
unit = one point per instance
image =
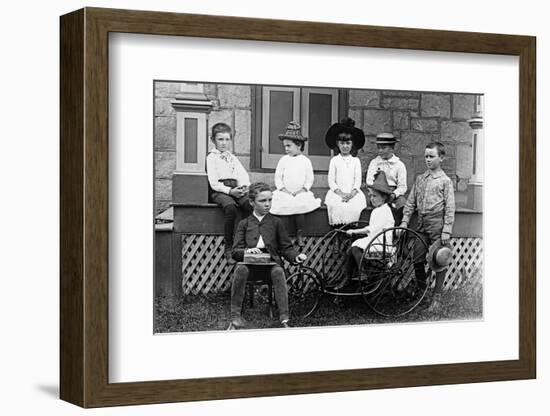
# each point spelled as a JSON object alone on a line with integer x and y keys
{"x": 261, "y": 232}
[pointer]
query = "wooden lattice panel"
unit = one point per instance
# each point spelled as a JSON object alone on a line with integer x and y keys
{"x": 205, "y": 269}
{"x": 467, "y": 262}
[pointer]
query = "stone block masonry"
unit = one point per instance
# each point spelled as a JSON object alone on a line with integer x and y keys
{"x": 416, "y": 118}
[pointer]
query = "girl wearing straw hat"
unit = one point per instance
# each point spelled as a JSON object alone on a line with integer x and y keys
{"x": 293, "y": 179}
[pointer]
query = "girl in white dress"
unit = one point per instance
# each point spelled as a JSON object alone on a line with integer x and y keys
{"x": 293, "y": 180}
{"x": 344, "y": 199}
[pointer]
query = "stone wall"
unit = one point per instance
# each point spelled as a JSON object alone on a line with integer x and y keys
{"x": 164, "y": 142}
{"x": 232, "y": 105}
{"x": 415, "y": 118}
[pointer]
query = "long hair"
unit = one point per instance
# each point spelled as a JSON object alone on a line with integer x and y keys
{"x": 344, "y": 137}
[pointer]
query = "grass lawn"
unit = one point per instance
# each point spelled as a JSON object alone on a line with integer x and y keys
{"x": 211, "y": 312}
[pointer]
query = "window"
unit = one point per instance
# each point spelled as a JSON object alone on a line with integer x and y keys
{"x": 316, "y": 109}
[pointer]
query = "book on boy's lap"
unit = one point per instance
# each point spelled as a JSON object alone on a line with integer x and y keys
{"x": 258, "y": 258}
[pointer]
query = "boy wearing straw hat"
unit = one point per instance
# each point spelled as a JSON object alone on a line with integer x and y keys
{"x": 395, "y": 170}
{"x": 433, "y": 198}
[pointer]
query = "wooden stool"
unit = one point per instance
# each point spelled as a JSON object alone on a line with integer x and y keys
{"x": 259, "y": 276}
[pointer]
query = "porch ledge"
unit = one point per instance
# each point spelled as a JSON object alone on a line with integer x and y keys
{"x": 207, "y": 218}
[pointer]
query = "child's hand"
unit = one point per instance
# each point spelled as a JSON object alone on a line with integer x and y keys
{"x": 400, "y": 231}
{"x": 253, "y": 251}
{"x": 445, "y": 237}
{"x": 300, "y": 258}
{"x": 346, "y": 197}
{"x": 236, "y": 192}
{"x": 350, "y": 232}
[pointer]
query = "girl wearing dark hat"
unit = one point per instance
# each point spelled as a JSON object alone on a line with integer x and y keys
{"x": 344, "y": 199}
{"x": 381, "y": 218}
{"x": 293, "y": 179}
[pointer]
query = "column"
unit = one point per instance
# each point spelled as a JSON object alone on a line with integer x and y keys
{"x": 475, "y": 186}
{"x": 190, "y": 183}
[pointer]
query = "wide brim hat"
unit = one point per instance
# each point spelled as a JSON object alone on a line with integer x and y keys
{"x": 380, "y": 183}
{"x": 347, "y": 125}
{"x": 439, "y": 256}
{"x": 386, "y": 138}
{"x": 293, "y": 132}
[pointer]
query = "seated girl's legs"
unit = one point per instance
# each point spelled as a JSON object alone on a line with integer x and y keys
{"x": 278, "y": 279}
{"x": 299, "y": 221}
{"x": 353, "y": 261}
{"x": 238, "y": 287}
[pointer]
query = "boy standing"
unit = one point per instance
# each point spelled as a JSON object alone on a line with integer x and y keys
{"x": 395, "y": 170}
{"x": 432, "y": 196}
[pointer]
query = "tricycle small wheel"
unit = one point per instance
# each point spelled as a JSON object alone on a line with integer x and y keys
{"x": 304, "y": 291}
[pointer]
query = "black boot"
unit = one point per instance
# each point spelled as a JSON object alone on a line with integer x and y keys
{"x": 300, "y": 238}
{"x": 228, "y": 253}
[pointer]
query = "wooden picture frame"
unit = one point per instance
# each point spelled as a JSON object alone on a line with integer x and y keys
{"x": 84, "y": 207}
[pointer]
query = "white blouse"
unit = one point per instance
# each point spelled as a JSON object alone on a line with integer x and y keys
{"x": 224, "y": 166}
{"x": 294, "y": 173}
{"x": 381, "y": 218}
{"x": 344, "y": 173}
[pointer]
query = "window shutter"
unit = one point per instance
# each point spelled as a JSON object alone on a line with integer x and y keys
{"x": 319, "y": 112}
{"x": 280, "y": 105}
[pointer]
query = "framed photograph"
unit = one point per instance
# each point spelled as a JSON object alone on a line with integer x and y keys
{"x": 254, "y": 207}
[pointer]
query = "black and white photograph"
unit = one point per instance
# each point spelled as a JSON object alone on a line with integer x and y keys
{"x": 281, "y": 206}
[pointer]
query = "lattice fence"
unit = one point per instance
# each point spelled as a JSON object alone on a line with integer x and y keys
{"x": 205, "y": 269}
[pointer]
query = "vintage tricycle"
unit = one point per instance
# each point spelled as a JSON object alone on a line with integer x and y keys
{"x": 385, "y": 278}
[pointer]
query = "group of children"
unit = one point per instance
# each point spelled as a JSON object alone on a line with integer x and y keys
{"x": 261, "y": 230}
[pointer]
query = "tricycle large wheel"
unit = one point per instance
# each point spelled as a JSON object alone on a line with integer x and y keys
{"x": 388, "y": 281}
{"x": 333, "y": 248}
{"x": 304, "y": 291}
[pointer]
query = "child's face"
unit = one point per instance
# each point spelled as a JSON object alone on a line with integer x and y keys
{"x": 385, "y": 151}
{"x": 262, "y": 203}
{"x": 376, "y": 198}
{"x": 345, "y": 146}
{"x": 432, "y": 159}
{"x": 222, "y": 141}
{"x": 291, "y": 148}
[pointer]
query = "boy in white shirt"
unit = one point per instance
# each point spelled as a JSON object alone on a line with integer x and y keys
{"x": 228, "y": 181}
{"x": 395, "y": 170}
